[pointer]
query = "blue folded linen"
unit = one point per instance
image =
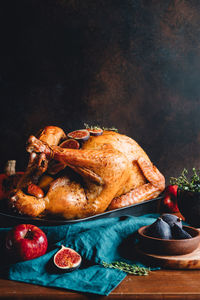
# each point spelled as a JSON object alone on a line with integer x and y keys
{"x": 97, "y": 241}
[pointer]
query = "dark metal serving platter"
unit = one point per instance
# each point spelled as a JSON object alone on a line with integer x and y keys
{"x": 8, "y": 218}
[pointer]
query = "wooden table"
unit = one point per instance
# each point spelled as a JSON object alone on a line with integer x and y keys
{"x": 162, "y": 284}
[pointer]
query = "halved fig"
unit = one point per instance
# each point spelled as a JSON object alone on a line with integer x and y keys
{"x": 81, "y": 135}
{"x": 67, "y": 259}
{"x": 95, "y": 132}
{"x": 71, "y": 144}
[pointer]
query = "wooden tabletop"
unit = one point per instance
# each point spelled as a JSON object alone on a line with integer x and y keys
{"x": 162, "y": 284}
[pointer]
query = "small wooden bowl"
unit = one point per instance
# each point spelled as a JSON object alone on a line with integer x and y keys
{"x": 169, "y": 247}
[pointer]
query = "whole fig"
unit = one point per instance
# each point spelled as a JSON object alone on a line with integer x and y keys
{"x": 159, "y": 229}
{"x": 179, "y": 233}
{"x": 172, "y": 219}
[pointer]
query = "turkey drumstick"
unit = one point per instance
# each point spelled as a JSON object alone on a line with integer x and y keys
{"x": 38, "y": 163}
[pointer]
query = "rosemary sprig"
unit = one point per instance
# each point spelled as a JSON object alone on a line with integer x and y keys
{"x": 130, "y": 269}
{"x": 187, "y": 184}
{"x": 99, "y": 127}
{"x": 91, "y": 127}
{"x": 110, "y": 129}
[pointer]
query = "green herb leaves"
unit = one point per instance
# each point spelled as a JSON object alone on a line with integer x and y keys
{"x": 99, "y": 127}
{"x": 130, "y": 269}
{"x": 91, "y": 127}
{"x": 187, "y": 184}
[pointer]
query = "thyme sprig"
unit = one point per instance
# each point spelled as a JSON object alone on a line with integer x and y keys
{"x": 110, "y": 129}
{"x": 187, "y": 184}
{"x": 99, "y": 127}
{"x": 91, "y": 127}
{"x": 130, "y": 269}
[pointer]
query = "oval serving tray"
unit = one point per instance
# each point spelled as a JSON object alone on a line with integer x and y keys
{"x": 8, "y": 218}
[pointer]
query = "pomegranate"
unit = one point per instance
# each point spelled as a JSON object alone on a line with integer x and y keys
{"x": 170, "y": 199}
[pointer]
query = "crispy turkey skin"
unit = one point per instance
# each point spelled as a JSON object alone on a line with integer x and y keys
{"x": 114, "y": 171}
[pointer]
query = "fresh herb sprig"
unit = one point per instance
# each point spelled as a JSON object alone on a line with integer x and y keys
{"x": 187, "y": 184}
{"x": 130, "y": 269}
{"x": 99, "y": 127}
{"x": 91, "y": 127}
{"x": 110, "y": 129}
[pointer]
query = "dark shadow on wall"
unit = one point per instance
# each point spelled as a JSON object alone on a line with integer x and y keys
{"x": 130, "y": 64}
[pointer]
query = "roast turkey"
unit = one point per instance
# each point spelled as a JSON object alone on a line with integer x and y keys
{"x": 109, "y": 171}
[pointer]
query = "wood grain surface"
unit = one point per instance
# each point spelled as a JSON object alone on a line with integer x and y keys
{"x": 187, "y": 261}
{"x": 162, "y": 284}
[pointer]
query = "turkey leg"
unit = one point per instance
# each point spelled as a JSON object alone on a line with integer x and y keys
{"x": 147, "y": 191}
{"x": 37, "y": 165}
{"x": 106, "y": 168}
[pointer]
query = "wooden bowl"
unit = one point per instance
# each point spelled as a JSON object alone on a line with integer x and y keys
{"x": 169, "y": 247}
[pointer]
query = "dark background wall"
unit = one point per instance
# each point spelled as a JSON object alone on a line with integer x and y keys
{"x": 131, "y": 64}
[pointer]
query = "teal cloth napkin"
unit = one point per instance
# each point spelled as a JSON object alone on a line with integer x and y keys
{"x": 97, "y": 241}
